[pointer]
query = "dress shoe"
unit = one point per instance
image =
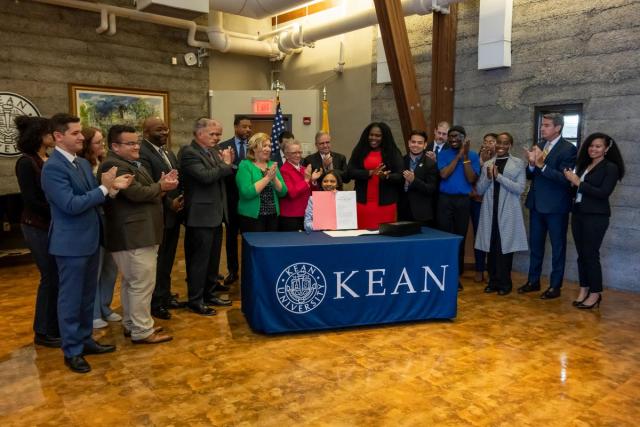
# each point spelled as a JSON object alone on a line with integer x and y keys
{"x": 529, "y": 287}
{"x": 154, "y": 338}
{"x": 201, "y": 309}
{"x": 94, "y": 347}
{"x": 77, "y": 364}
{"x": 47, "y": 341}
{"x": 217, "y": 301}
{"x": 221, "y": 288}
{"x": 502, "y": 292}
{"x": 230, "y": 279}
{"x": 490, "y": 289}
{"x": 596, "y": 304}
{"x": 161, "y": 313}
{"x": 127, "y": 332}
{"x": 550, "y": 293}
{"x": 174, "y": 303}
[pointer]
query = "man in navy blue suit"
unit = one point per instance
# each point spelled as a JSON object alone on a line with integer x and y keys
{"x": 74, "y": 237}
{"x": 549, "y": 203}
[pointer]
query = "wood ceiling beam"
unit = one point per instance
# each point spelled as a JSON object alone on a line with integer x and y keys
{"x": 443, "y": 66}
{"x": 401, "y": 65}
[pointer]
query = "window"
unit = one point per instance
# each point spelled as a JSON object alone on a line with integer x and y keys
{"x": 572, "y": 130}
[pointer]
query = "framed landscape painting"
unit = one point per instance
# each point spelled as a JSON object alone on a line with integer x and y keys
{"x": 103, "y": 107}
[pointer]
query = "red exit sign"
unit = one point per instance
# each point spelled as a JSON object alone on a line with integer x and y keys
{"x": 262, "y": 106}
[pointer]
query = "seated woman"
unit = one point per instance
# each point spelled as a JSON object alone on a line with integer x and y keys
{"x": 376, "y": 168}
{"x": 300, "y": 181}
{"x": 501, "y": 229}
{"x": 330, "y": 181}
{"x": 598, "y": 169}
{"x": 259, "y": 187}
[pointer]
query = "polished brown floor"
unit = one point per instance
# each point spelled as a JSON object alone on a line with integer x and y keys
{"x": 505, "y": 361}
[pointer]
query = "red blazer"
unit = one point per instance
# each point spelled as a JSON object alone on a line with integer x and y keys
{"x": 298, "y": 191}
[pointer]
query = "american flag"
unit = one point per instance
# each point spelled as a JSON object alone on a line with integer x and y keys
{"x": 276, "y": 130}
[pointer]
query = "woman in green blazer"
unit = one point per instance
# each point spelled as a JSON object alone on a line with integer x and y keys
{"x": 259, "y": 186}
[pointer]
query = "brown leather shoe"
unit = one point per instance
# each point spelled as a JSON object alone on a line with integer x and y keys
{"x": 127, "y": 333}
{"x": 154, "y": 338}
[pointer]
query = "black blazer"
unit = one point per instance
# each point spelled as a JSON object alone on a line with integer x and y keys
{"x": 155, "y": 165}
{"x": 388, "y": 189}
{"x": 431, "y": 145}
{"x": 35, "y": 209}
{"x": 596, "y": 188}
{"x": 339, "y": 164}
{"x": 230, "y": 181}
{"x": 419, "y": 199}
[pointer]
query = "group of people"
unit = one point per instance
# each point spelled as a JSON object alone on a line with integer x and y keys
{"x": 89, "y": 213}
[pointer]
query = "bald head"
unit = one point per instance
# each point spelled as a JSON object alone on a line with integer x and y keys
{"x": 155, "y": 131}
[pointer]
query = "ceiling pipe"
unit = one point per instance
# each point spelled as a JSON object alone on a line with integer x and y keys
{"x": 256, "y": 9}
{"x": 104, "y": 21}
{"x": 112, "y": 24}
{"x": 290, "y": 39}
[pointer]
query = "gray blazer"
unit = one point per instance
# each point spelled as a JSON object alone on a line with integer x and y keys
{"x": 513, "y": 236}
{"x": 205, "y": 197}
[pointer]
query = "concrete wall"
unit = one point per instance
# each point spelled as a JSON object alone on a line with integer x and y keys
{"x": 563, "y": 52}
{"x": 44, "y": 48}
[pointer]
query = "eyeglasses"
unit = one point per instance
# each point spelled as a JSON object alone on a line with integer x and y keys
{"x": 129, "y": 144}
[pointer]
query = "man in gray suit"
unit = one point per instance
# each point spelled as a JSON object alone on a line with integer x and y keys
{"x": 203, "y": 170}
{"x": 134, "y": 231}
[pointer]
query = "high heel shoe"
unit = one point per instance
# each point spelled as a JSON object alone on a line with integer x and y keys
{"x": 578, "y": 302}
{"x": 594, "y": 305}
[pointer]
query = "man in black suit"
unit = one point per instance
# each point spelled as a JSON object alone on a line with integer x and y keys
{"x": 238, "y": 146}
{"x": 420, "y": 185}
{"x": 326, "y": 159}
{"x": 203, "y": 170}
{"x": 549, "y": 202}
{"x": 157, "y": 160}
{"x": 440, "y": 134}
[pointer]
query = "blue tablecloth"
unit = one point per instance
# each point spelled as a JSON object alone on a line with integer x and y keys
{"x": 296, "y": 281}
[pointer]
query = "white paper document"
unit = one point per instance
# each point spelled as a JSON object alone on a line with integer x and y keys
{"x": 349, "y": 233}
{"x": 346, "y": 215}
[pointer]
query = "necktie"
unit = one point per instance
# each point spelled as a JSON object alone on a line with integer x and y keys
{"x": 164, "y": 155}
{"x": 547, "y": 148}
{"x": 438, "y": 147}
{"x": 83, "y": 178}
{"x": 241, "y": 151}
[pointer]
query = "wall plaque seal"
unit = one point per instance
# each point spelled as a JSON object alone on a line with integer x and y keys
{"x": 11, "y": 106}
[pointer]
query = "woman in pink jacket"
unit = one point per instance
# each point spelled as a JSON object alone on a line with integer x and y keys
{"x": 300, "y": 181}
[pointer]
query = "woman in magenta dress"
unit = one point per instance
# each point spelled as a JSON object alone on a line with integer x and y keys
{"x": 376, "y": 168}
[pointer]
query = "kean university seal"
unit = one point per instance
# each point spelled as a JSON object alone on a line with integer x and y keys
{"x": 301, "y": 287}
{"x": 12, "y": 106}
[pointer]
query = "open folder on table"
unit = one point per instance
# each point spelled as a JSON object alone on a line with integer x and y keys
{"x": 334, "y": 210}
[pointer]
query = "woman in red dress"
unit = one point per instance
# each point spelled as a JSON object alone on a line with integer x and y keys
{"x": 376, "y": 168}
